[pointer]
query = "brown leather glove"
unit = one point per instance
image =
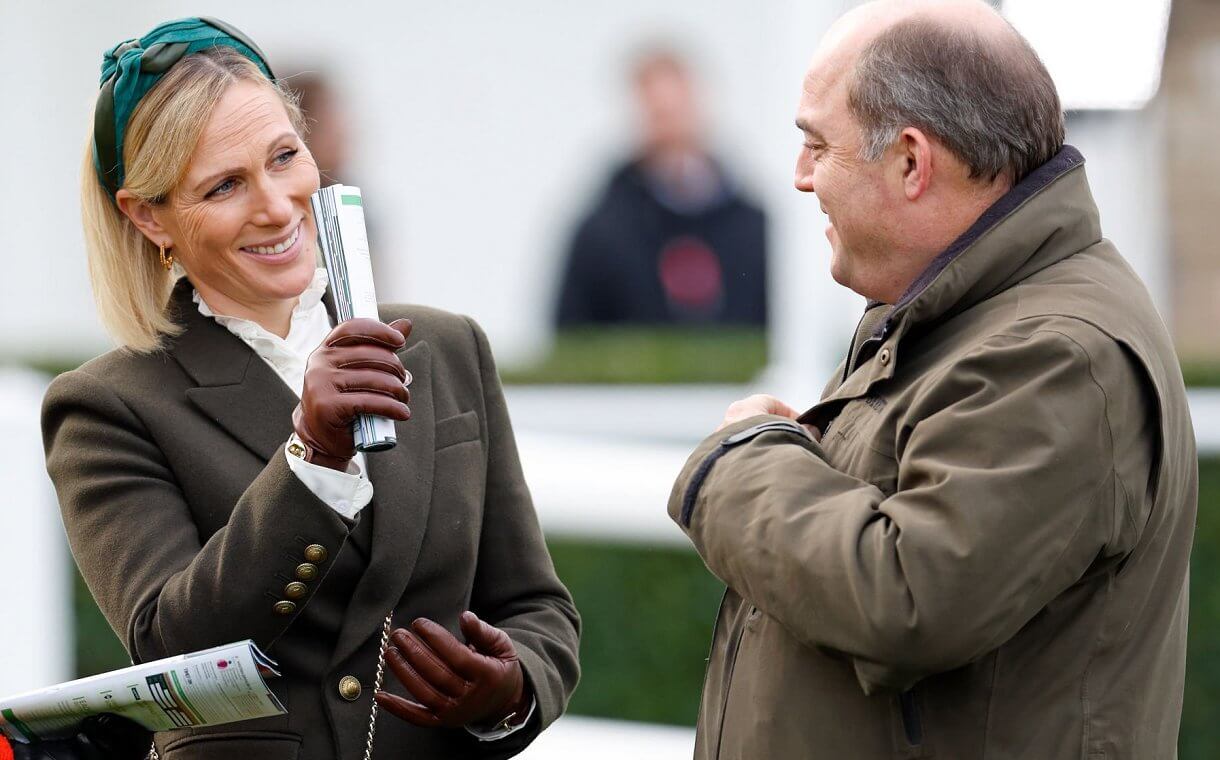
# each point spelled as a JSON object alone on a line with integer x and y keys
{"x": 354, "y": 371}
{"x": 479, "y": 683}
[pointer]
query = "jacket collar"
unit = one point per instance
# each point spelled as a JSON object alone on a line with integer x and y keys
{"x": 244, "y": 396}
{"x": 234, "y": 387}
{"x": 1043, "y": 219}
{"x": 1047, "y": 217}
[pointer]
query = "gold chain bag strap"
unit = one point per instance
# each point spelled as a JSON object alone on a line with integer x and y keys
{"x": 385, "y": 642}
{"x": 368, "y": 744}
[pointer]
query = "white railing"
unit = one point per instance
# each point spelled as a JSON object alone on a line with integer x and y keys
{"x": 601, "y": 460}
{"x": 36, "y": 594}
{"x": 576, "y": 738}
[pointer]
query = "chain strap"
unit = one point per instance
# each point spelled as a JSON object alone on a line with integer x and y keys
{"x": 368, "y": 744}
{"x": 385, "y": 640}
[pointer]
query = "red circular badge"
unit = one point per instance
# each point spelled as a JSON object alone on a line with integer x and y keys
{"x": 690, "y": 273}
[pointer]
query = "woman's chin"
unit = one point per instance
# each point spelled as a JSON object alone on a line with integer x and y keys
{"x": 283, "y": 284}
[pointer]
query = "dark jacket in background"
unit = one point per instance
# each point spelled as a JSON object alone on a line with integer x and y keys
{"x": 188, "y": 525}
{"x": 638, "y": 259}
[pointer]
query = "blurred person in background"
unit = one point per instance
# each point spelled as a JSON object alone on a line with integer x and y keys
{"x": 328, "y": 131}
{"x": 977, "y": 543}
{"x": 328, "y": 135}
{"x": 671, "y": 239}
{"x": 206, "y": 470}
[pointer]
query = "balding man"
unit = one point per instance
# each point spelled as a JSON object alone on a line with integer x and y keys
{"x": 976, "y": 544}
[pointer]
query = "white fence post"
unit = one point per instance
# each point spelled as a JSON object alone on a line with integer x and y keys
{"x": 36, "y": 635}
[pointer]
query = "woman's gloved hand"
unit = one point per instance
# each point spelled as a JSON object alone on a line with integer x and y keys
{"x": 101, "y": 737}
{"x": 479, "y": 683}
{"x": 354, "y": 371}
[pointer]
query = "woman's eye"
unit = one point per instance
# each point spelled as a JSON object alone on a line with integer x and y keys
{"x": 222, "y": 188}
{"x": 286, "y": 156}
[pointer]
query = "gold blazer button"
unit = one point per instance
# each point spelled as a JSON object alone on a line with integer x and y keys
{"x": 307, "y": 571}
{"x": 285, "y": 608}
{"x": 349, "y": 688}
{"x": 296, "y": 590}
{"x": 316, "y": 553}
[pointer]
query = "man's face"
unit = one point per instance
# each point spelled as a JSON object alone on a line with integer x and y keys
{"x": 850, "y": 191}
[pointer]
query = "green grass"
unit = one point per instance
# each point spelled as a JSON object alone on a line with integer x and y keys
{"x": 648, "y": 356}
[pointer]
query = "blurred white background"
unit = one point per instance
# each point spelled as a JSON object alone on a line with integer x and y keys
{"x": 480, "y": 130}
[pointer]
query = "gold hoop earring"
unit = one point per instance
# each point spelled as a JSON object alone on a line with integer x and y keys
{"x": 166, "y": 261}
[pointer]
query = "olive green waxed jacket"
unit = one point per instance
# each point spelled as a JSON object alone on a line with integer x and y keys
{"x": 985, "y": 555}
{"x": 192, "y": 531}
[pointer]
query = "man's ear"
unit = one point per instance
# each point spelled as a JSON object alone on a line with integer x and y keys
{"x": 915, "y": 152}
{"x": 143, "y": 215}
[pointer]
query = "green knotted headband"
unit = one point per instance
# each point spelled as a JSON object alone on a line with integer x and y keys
{"x": 131, "y": 68}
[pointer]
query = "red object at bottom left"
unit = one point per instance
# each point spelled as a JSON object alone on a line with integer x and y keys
{"x": 6, "y": 752}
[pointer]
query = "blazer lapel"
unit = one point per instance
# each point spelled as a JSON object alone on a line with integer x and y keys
{"x": 402, "y": 487}
{"x": 244, "y": 396}
{"x": 235, "y": 389}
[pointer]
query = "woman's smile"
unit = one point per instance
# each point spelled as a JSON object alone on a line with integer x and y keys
{"x": 283, "y": 250}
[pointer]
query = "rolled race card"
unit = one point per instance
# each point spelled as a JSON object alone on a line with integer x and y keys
{"x": 339, "y": 214}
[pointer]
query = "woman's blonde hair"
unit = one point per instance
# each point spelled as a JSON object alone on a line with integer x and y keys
{"x": 130, "y": 284}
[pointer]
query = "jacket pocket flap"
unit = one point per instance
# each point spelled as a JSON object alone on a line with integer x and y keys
{"x": 459, "y": 428}
{"x": 266, "y": 745}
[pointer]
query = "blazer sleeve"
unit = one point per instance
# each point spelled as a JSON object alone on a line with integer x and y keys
{"x": 164, "y": 588}
{"x": 515, "y": 586}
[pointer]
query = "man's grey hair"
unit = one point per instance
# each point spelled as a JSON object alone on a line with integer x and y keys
{"x": 986, "y": 97}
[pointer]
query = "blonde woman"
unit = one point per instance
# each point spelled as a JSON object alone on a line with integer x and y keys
{"x": 206, "y": 470}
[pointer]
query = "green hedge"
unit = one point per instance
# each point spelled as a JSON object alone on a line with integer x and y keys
{"x": 648, "y": 355}
{"x": 1201, "y": 374}
{"x": 648, "y": 614}
{"x": 1200, "y": 729}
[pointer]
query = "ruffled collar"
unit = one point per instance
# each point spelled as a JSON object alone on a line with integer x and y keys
{"x": 303, "y": 316}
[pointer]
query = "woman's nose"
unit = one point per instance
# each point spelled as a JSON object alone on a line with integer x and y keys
{"x": 274, "y": 205}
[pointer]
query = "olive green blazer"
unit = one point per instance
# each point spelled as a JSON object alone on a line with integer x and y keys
{"x": 191, "y": 532}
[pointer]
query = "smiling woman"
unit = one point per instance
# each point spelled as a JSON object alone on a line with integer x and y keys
{"x": 236, "y": 217}
{"x": 206, "y": 470}
{"x": 162, "y": 145}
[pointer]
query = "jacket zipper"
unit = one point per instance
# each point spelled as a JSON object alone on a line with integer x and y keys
{"x": 711, "y": 649}
{"x": 728, "y": 684}
{"x": 911, "y": 725}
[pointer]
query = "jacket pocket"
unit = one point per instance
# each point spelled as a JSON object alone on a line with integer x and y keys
{"x": 912, "y": 727}
{"x": 910, "y": 740}
{"x": 459, "y": 428}
{"x": 265, "y": 745}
